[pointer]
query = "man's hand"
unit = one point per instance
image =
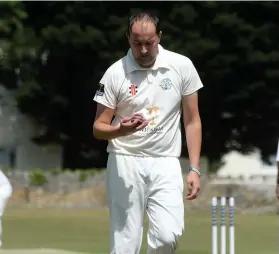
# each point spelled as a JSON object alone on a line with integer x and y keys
{"x": 277, "y": 191}
{"x": 132, "y": 124}
{"x": 194, "y": 185}
{"x": 102, "y": 128}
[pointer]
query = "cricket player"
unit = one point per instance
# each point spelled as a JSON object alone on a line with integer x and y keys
{"x": 277, "y": 181}
{"x": 140, "y": 102}
{"x": 5, "y": 193}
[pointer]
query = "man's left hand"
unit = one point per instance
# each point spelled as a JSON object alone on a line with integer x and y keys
{"x": 194, "y": 184}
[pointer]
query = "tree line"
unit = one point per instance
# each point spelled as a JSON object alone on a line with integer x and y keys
{"x": 53, "y": 55}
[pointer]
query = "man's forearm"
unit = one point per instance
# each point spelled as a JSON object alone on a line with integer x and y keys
{"x": 106, "y": 131}
{"x": 194, "y": 139}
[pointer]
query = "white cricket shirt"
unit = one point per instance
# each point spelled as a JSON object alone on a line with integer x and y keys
{"x": 157, "y": 93}
{"x": 277, "y": 157}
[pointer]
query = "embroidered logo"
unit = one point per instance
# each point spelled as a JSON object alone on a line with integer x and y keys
{"x": 166, "y": 84}
{"x": 101, "y": 90}
{"x": 133, "y": 90}
{"x": 153, "y": 113}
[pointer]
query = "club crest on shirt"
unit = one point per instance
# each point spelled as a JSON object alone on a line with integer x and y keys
{"x": 101, "y": 90}
{"x": 166, "y": 84}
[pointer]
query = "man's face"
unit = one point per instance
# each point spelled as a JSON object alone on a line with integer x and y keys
{"x": 144, "y": 42}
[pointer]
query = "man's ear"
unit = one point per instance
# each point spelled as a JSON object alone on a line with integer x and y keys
{"x": 160, "y": 36}
{"x": 128, "y": 38}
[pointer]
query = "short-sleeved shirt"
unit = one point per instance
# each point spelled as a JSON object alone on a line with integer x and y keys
{"x": 277, "y": 157}
{"x": 156, "y": 93}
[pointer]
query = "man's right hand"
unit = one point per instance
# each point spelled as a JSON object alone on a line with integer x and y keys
{"x": 103, "y": 130}
{"x": 277, "y": 191}
{"x": 132, "y": 124}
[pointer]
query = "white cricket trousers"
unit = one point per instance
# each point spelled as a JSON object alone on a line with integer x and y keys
{"x": 136, "y": 185}
{"x": 5, "y": 193}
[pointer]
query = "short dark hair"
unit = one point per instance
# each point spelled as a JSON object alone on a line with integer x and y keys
{"x": 144, "y": 16}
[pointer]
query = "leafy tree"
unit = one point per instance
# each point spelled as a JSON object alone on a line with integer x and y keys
{"x": 236, "y": 55}
{"x": 63, "y": 48}
{"x": 17, "y": 43}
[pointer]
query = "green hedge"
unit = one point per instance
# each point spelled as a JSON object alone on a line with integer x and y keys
{"x": 38, "y": 177}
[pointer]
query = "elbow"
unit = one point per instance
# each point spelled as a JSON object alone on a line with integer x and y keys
{"x": 99, "y": 133}
{"x": 198, "y": 126}
{"x": 96, "y": 133}
{"x": 195, "y": 123}
{"x": 104, "y": 131}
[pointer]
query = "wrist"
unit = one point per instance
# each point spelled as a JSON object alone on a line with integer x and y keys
{"x": 194, "y": 169}
{"x": 195, "y": 165}
{"x": 121, "y": 132}
{"x": 115, "y": 132}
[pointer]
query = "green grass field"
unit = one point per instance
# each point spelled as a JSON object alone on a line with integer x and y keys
{"x": 87, "y": 231}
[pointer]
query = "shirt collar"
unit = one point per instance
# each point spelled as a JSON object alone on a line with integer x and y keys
{"x": 132, "y": 65}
